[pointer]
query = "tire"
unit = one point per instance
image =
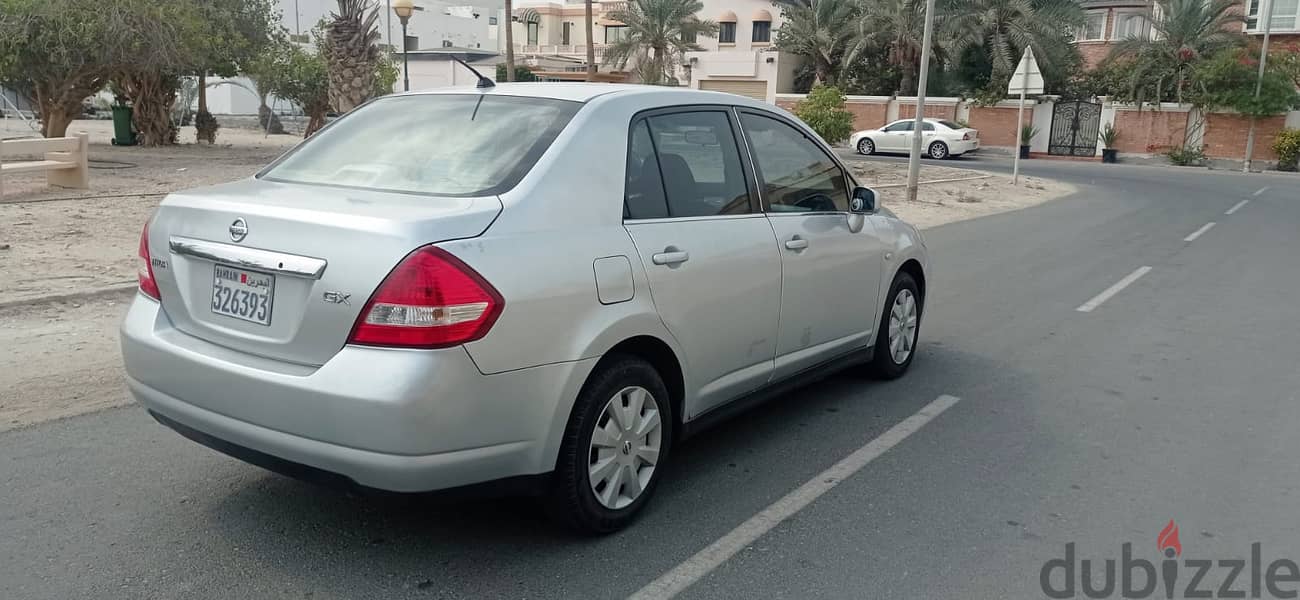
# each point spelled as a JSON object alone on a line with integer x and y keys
{"x": 866, "y": 146}
{"x": 598, "y": 509}
{"x": 885, "y": 362}
{"x": 938, "y": 151}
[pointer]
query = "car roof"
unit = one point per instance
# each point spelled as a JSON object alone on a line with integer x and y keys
{"x": 584, "y": 92}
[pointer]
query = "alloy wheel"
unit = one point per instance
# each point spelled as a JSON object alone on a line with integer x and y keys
{"x": 902, "y": 326}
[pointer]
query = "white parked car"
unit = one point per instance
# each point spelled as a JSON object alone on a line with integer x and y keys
{"x": 941, "y": 138}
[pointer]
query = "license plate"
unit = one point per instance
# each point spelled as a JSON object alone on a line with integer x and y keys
{"x": 242, "y": 294}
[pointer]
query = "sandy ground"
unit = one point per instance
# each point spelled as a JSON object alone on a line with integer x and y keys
{"x": 61, "y": 358}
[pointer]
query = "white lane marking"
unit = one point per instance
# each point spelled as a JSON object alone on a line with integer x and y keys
{"x": 1114, "y": 289}
{"x": 1195, "y": 234}
{"x": 1236, "y": 207}
{"x": 682, "y": 576}
{"x": 1260, "y": 191}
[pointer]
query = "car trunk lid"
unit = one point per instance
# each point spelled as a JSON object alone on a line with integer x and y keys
{"x": 281, "y": 270}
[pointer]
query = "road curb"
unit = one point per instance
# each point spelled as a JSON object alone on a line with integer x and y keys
{"x": 83, "y": 295}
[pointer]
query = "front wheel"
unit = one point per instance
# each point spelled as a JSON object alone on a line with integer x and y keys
{"x": 900, "y": 327}
{"x": 614, "y": 447}
{"x": 938, "y": 151}
{"x": 866, "y": 146}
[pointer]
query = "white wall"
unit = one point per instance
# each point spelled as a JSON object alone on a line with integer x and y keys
{"x": 432, "y": 25}
{"x": 430, "y": 74}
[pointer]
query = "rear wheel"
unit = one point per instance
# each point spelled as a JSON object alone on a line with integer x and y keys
{"x": 938, "y": 151}
{"x": 614, "y": 447}
{"x": 866, "y": 146}
{"x": 900, "y": 328}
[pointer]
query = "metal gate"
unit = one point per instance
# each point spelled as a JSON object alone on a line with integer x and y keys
{"x": 1074, "y": 129}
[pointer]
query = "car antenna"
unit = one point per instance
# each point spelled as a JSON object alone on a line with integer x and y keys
{"x": 483, "y": 82}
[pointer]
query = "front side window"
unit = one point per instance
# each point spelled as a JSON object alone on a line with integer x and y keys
{"x": 438, "y": 144}
{"x": 698, "y": 167}
{"x": 762, "y": 31}
{"x": 795, "y": 173}
{"x": 726, "y": 33}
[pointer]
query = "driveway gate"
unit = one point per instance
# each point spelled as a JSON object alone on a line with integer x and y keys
{"x": 1074, "y": 129}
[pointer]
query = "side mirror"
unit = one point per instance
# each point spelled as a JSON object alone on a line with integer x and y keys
{"x": 863, "y": 201}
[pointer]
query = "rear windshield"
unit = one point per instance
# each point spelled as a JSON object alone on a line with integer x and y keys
{"x": 950, "y": 124}
{"x": 445, "y": 145}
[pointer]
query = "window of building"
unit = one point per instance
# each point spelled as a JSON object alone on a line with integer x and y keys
{"x": 446, "y": 43}
{"x": 614, "y": 33}
{"x": 762, "y": 31}
{"x": 689, "y": 37}
{"x": 532, "y": 34}
{"x": 1284, "y": 15}
{"x": 492, "y": 20}
{"x": 1130, "y": 25}
{"x": 412, "y": 43}
{"x": 726, "y": 33}
{"x": 565, "y": 28}
{"x": 1094, "y": 28}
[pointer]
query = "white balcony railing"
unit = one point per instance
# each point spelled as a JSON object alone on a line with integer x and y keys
{"x": 567, "y": 50}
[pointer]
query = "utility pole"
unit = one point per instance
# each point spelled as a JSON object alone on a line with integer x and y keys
{"x": 914, "y": 161}
{"x": 1265, "y": 9}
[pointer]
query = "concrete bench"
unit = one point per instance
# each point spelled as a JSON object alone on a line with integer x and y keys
{"x": 66, "y": 161}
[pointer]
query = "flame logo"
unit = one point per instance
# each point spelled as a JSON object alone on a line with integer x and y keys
{"x": 1168, "y": 542}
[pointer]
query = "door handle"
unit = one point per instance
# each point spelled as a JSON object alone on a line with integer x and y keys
{"x": 796, "y": 243}
{"x": 671, "y": 258}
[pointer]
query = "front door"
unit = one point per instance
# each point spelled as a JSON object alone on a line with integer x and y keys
{"x": 708, "y": 252}
{"x": 830, "y": 273}
{"x": 896, "y": 137}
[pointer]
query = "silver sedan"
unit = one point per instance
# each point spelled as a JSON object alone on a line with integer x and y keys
{"x": 543, "y": 286}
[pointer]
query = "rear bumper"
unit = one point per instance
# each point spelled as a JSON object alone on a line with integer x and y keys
{"x": 964, "y": 146}
{"x": 404, "y": 421}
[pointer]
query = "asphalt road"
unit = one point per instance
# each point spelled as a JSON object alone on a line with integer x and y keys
{"x": 1174, "y": 398}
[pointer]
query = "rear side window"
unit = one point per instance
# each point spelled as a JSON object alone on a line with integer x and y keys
{"x": 698, "y": 163}
{"x": 438, "y": 144}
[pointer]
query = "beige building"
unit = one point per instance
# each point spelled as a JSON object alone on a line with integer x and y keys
{"x": 739, "y": 59}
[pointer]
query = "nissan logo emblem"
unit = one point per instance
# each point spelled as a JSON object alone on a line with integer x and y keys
{"x": 238, "y": 230}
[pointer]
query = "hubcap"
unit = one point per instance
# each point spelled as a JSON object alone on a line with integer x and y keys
{"x": 902, "y": 326}
{"x": 938, "y": 151}
{"x": 624, "y": 447}
{"x": 865, "y": 147}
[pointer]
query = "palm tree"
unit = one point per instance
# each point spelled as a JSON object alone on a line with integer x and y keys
{"x": 655, "y": 41}
{"x": 823, "y": 31}
{"x": 1002, "y": 29}
{"x": 510, "y": 40}
{"x": 353, "y": 42}
{"x": 1184, "y": 32}
{"x": 898, "y": 26}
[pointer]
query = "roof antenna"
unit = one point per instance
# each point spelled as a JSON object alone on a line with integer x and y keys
{"x": 483, "y": 82}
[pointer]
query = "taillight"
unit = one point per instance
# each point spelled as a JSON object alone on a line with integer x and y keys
{"x": 431, "y": 300}
{"x": 966, "y": 137}
{"x": 144, "y": 269}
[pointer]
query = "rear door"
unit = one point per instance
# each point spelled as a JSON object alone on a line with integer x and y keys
{"x": 830, "y": 273}
{"x": 709, "y": 253}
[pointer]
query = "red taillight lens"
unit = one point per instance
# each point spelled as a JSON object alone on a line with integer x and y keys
{"x": 431, "y": 300}
{"x": 966, "y": 137}
{"x": 144, "y": 269}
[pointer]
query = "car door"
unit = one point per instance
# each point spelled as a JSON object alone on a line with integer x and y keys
{"x": 709, "y": 254}
{"x": 896, "y": 137}
{"x": 830, "y": 273}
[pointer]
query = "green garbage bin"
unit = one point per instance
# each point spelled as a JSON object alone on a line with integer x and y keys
{"x": 123, "y": 131}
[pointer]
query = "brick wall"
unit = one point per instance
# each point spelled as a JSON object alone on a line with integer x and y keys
{"x": 932, "y": 111}
{"x": 1150, "y": 131}
{"x": 1225, "y": 136}
{"x": 997, "y": 124}
{"x": 866, "y": 115}
{"x": 1093, "y": 53}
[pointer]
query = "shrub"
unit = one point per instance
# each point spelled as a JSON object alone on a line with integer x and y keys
{"x": 522, "y": 73}
{"x": 1027, "y": 133}
{"x": 1109, "y": 135}
{"x": 1287, "y": 147}
{"x": 1186, "y": 157}
{"x": 823, "y": 110}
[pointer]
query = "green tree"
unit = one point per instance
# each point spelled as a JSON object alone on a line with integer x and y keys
{"x": 352, "y": 53}
{"x": 56, "y": 49}
{"x": 823, "y": 32}
{"x": 823, "y": 110}
{"x": 1001, "y": 29}
{"x": 1227, "y": 81}
{"x": 1186, "y": 32}
{"x": 897, "y": 26}
{"x": 656, "y": 39}
{"x": 238, "y": 31}
{"x": 521, "y": 73}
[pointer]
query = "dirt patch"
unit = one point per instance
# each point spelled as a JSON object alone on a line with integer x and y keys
{"x": 940, "y": 203}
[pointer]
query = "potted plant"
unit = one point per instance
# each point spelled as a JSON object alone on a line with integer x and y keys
{"x": 1027, "y": 133}
{"x": 1108, "y": 137}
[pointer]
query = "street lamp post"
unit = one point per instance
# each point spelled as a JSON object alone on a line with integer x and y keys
{"x": 403, "y": 10}
{"x": 1265, "y": 12}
